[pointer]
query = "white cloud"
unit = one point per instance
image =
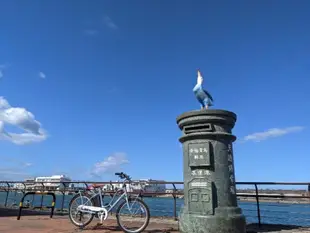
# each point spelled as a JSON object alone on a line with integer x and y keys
{"x": 271, "y": 133}
{"x": 4, "y": 103}
{"x": 9, "y": 171}
{"x": 25, "y": 164}
{"x": 2, "y": 68}
{"x": 2, "y": 131}
{"x": 113, "y": 90}
{"x": 22, "y": 119}
{"x": 13, "y": 174}
{"x": 91, "y": 32}
{"x": 42, "y": 75}
{"x": 110, "y": 164}
{"x": 14, "y": 169}
{"x": 109, "y": 23}
{"x": 15, "y": 161}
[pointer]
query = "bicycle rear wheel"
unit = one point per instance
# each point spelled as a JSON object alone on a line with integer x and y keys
{"x": 78, "y": 218}
{"x": 135, "y": 213}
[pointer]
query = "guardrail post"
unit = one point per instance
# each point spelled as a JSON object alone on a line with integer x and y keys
{"x": 42, "y": 197}
{"x": 257, "y": 205}
{"x": 63, "y": 201}
{"x": 21, "y": 205}
{"x": 41, "y": 205}
{"x": 53, "y": 203}
{"x": 25, "y": 187}
{"x": 174, "y": 203}
{"x": 7, "y": 194}
{"x": 32, "y": 200}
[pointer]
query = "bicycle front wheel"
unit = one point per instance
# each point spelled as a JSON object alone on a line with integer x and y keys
{"x": 134, "y": 216}
{"x": 77, "y": 217}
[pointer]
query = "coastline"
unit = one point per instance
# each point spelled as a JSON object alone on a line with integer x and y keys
{"x": 261, "y": 199}
{"x": 277, "y": 200}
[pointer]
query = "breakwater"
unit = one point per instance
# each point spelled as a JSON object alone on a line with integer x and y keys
{"x": 272, "y": 213}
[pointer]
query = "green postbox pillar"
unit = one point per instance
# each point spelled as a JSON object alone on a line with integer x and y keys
{"x": 210, "y": 201}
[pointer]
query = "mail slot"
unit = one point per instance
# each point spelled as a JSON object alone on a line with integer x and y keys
{"x": 188, "y": 129}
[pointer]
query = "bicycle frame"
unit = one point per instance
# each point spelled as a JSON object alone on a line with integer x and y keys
{"x": 111, "y": 204}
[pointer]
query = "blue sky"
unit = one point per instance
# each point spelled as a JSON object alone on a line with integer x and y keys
{"x": 93, "y": 87}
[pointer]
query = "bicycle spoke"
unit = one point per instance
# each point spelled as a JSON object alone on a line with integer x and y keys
{"x": 78, "y": 217}
{"x": 133, "y": 217}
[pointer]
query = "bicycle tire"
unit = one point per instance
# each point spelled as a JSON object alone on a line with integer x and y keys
{"x": 147, "y": 212}
{"x": 70, "y": 217}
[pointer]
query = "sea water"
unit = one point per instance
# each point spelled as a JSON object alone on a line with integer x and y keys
{"x": 273, "y": 213}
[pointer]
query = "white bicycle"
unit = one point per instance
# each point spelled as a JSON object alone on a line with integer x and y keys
{"x": 82, "y": 208}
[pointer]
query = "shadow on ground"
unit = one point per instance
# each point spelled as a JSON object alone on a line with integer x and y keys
{"x": 5, "y": 212}
{"x": 253, "y": 227}
{"x": 153, "y": 229}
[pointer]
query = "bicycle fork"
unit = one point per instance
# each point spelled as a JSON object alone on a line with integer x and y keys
{"x": 130, "y": 207}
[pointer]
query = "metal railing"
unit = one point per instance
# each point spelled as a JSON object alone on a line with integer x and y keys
{"x": 258, "y": 195}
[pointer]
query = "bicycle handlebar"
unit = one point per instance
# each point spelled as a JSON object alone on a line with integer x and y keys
{"x": 123, "y": 175}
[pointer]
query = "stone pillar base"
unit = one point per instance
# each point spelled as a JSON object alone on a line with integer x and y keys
{"x": 210, "y": 201}
{"x": 225, "y": 220}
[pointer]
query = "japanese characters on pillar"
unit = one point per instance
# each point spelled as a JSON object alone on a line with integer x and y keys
{"x": 199, "y": 184}
{"x": 199, "y": 154}
{"x": 199, "y": 159}
{"x": 231, "y": 170}
{"x": 200, "y": 172}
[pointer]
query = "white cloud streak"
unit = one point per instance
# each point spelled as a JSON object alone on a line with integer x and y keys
{"x": 91, "y": 32}
{"x": 2, "y": 68}
{"x": 17, "y": 170}
{"x": 22, "y": 119}
{"x": 26, "y": 164}
{"x": 110, "y": 164}
{"x": 42, "y": 75}
{"x": 13, "y": 174}
{"x": 109, "y": 23}
{"x": 17, "y": 162}
{"x": 271, "y": 133}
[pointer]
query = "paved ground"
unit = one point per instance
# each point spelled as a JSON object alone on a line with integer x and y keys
{"x": 61, "y": 224}
{"x": 268, "y": 228}
{"x": 31, "y": 222}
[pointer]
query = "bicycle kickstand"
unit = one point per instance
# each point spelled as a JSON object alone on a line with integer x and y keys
{"x": 101, "y": 218}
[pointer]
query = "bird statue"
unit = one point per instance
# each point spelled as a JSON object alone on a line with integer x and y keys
{"x": 204, "y": 97}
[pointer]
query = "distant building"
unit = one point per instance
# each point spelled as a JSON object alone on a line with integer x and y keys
{"x": 150, "y": 187}
{"x": 52, "y": 182}
{"x": 28, "y": 184}
{"x": 136, "y": 186}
